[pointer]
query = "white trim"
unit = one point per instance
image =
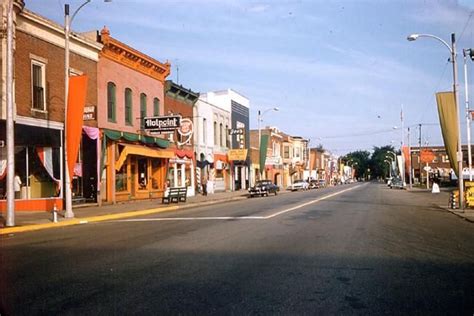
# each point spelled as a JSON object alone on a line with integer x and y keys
{"x": 39, "y": 123}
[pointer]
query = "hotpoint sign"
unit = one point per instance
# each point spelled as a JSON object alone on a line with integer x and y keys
{"x": 159, "y": 124}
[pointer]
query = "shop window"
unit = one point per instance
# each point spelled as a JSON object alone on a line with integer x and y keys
{"x": 111, "y": 102}
{"x": 142, "y": 110}
{"x": 156, "y": 107}
{"x": 38, "y": 86}
{"x": 121, "y": 179}
{"x": 142, "y": 173}
{"x": 128, "y": 107}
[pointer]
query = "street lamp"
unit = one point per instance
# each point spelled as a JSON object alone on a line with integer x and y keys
{"x": 469, "y": 52}
{"x": 260, "y": 115}
{"x": 452, "y": 50}
{"x": 67, "y": 30}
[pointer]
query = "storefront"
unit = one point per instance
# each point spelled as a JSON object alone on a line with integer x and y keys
{"x": 135, "y": 166}
{"x": 181, "y": 170}
{"x": 38, "y": 155}
{"x": 221, "y": 172}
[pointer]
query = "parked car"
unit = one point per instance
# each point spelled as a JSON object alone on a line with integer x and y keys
{"x": 298, "y": 185}
{"x": 263, "y": 187}
{"x": 313, "y": 184}
{"x": 396, "y": 183}
{"x": 322, "y": 183}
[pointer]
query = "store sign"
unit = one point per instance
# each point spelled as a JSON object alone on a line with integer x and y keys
{"x": 237, "y": 154}
{"x": 270, "y": 161}
{"x": 158, "y": 124}
{"x": 186, "y": 131}
{"x": 236, "y": 131}
{"x": 89, "y": 113}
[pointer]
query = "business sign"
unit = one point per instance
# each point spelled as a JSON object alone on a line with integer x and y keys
{"x": 236, "y": 131}
{"x": 159, "y": 124}
{"x": 89, "y": 113}
{"x": 271, "y": 161}
{"x": 237, "y": 154}
{"x": 427, "y": 156}
{"x": 186, "y": 131}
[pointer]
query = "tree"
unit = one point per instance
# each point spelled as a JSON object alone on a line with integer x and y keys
{"x": 379, "y": 168}
{"x": 360, "y": 162}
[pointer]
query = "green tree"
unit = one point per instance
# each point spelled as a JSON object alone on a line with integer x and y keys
{"x": 379, "y": 168}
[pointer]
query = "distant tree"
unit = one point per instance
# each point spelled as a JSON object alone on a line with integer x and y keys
{"x": 379, "y": 168}
{"x": 360, "y": 162}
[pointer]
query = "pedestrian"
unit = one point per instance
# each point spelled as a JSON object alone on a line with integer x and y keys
{"x": 17, "y": 186}
{"x": 204, "y": 186}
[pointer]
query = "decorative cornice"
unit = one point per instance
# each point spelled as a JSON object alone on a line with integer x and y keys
{"x": 132, "y": 58}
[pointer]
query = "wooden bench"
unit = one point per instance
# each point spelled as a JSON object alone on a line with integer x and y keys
{"x": 175, "y": 194}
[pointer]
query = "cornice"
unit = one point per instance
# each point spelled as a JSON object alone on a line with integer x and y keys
{"x": 132, "y": 58}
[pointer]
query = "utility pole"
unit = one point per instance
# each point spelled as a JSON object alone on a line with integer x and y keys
{"x": 409, "y": 161}
{"x": 419, "y": 153}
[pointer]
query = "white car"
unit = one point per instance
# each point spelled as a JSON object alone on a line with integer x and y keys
{"x": 298, "y": 185}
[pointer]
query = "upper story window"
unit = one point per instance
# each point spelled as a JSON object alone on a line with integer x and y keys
{"x": 216, "y": 134}
{"x": 286, "y": 152}
{"x": 222, "y": 138}
{"x": 204, "y": 131}
{"x": 128, "y": 106}
{"x": 297, "y": 152}
{"x": 227, "y": 137}
{"x": 111, "y": 102}
{"x": 38, "y": 81}
{"x": 142, "y": 110}
{"x": 156, "y": 106}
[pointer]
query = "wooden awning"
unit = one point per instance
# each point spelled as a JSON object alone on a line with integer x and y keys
{"x": 141, "y": 151}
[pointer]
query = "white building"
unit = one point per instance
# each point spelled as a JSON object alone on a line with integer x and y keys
{"x": 212, "y": 142}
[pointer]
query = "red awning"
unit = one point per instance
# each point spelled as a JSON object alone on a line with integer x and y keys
{"x": 221, "y": 157}
{"x": 181, "y": 153}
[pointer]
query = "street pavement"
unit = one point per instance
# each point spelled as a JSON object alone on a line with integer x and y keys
{"x": 359, "y": 249}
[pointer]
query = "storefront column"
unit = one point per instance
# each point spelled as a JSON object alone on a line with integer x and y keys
{"x": 192, "y": 178}
{"x": 175, "y": 174}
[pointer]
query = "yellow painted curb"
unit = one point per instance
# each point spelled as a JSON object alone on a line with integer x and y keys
{"x": 85, "y": 220}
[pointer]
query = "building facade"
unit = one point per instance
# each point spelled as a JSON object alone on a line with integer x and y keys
{"x": 130, "y": 87}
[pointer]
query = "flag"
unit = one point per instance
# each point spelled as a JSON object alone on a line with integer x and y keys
{"x": 448, "y": 119}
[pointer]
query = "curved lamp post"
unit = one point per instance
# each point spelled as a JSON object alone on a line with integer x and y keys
{"x": 452, "y": 51}
{"x": 67, "y": 30}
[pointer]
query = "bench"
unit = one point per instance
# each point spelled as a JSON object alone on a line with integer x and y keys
{"x": 175, "y": 194}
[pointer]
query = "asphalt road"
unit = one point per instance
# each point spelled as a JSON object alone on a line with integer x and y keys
{"x": 359, "y": 249}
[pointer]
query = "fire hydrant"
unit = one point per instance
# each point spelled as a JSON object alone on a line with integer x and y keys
{"x": 55, "y": 213}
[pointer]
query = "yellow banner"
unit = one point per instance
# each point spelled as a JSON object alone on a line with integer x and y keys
{"x": 448, "y": 118}
{"x": 237, "y": 154}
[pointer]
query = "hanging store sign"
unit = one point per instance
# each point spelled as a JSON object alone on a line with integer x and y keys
{"x": 159, "y": 124}
{"x": 186, "y": 131}
{"x": 236, "y": 131}
{"x": 237, "y": 154}
{"x": 89, "y": 113}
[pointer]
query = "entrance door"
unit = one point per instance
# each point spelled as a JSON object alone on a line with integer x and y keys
{"x": 133, "y": 180}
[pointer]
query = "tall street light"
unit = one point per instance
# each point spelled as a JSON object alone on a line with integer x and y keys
{"x": 467, "y": 52}
{"x": 260, "y": 115}
{"x": 452, "y": 50}
{"x": 389, "y": 167}
{"x": 67, "y": 30}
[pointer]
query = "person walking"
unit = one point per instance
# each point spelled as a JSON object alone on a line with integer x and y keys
{"x": 17, "y": 186}
{"x": 204, "y": 186}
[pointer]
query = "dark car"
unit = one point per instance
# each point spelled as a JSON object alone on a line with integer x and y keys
{"x": 263, "y": 187}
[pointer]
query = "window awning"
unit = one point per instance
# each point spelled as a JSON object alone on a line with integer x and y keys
{"x": 141, "y": 151}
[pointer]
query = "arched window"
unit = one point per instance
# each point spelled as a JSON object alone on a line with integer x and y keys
{"x": 221, "y": 130}
{"x": 142, "y": 110}
{"x": 216, "y": 134}
{"x": 156, "y": 107}
{"x": 111, "y": 102}
{"x": 128, "y": 106}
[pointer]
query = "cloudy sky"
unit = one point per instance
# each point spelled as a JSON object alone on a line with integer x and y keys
{"x": 339, "y": 71}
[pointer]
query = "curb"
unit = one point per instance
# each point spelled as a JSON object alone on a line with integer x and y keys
{"x": 108, "y": 217}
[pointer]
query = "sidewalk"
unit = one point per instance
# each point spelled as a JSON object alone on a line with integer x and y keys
{"x": 442, "y": 200}
{"x": 87, "y": 213}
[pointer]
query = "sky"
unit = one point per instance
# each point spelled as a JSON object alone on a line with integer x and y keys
{"x": 340, "y": 72}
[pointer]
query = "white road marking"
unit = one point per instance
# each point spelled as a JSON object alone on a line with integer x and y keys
{"x": 225, "y": 218}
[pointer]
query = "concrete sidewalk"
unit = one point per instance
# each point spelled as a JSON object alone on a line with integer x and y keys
{"x": 87, "y": 213}
{"x": 442, "y": 201}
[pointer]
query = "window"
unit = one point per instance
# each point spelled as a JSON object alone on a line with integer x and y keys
{"x": 128, "y": 106}
{"x": 222, "y": 138}
{"x": 142, "y": 110}
{"x": 39, "y": 88}
{"x": 216, "y": 136}
{"x": 111, "y": 102}
{"x": 227, "y": 138}
{"x": 204, "y": 130}
{"x": 286, "y": 152}
{"x": 156, "y": 106}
